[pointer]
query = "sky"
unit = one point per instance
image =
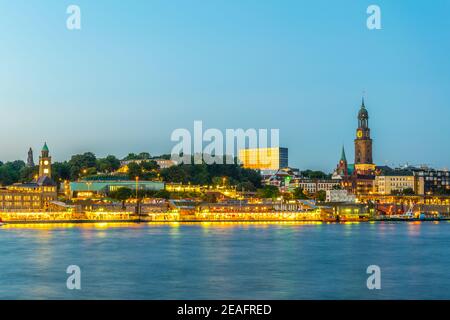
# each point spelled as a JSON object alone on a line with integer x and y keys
{"x": 138, "y": 70}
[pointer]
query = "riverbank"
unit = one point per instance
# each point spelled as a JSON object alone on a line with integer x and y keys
{"x": 137, "y": 221}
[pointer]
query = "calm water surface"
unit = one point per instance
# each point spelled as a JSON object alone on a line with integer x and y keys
{"x": 226, "y": 261}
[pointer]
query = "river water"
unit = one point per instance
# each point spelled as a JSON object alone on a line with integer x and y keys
{"x": 226, "y": 261}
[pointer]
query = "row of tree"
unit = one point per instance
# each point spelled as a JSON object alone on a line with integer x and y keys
{"x": 88, "y": 166}
{"x": 215, "y": 174}
{"x": 15, "y": 171}
{"x": 272, "y": 192}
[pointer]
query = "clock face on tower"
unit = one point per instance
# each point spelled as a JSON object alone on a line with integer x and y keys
{"x": 359, "y": 134}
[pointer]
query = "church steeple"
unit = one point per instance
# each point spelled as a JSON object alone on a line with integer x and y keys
{"x": 30, "y": 160}
{"x": 343, "y": 157}
{"x": 363, "y": 116}
{"x": 342, "y": 167}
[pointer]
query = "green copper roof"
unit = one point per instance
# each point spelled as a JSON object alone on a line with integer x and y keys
{"x": 45, "y": 148}
{"x": 363, "y": 114}
{"x": 343, "y": 158}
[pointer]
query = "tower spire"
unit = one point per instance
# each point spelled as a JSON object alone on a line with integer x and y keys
{"x": 30, "y": 160}
{"x": 343, "y": 157}
{"x": 362, "y": 99}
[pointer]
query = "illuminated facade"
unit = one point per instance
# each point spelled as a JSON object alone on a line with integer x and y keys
{"x": 35, "y": 195}
{"x": 264, "y": 158}
{"x": 87, "y": 189}
{"x": 431, "y": 181}
{"x": 312, "y": 186}
{"x": 387, "y": 184}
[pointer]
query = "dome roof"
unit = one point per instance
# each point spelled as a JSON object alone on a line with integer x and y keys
{"x": 363, "y": 114}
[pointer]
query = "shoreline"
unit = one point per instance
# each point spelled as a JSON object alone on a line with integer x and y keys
{"x": 190, "y": 221}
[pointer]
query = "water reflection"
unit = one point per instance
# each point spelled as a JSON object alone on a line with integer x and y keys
{"x": 225, "y": 260}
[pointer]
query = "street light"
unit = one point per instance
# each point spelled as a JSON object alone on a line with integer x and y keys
{"x": 137, "y": 187}
{"x": 137, "y": 201}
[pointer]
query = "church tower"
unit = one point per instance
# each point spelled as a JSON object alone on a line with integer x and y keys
{"x": 30, "y": 160}
{"x": 363, "y": 143}
{"x": 45, "y": 162}
{"x": 342, "y": 167}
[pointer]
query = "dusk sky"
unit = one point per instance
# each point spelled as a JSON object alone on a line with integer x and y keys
{"x": 137, "y": 70}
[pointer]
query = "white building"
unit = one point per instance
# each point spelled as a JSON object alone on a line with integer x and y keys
{"x": 340, "y": 196}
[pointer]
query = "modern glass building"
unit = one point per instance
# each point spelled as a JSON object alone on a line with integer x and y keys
{"x": 264, "y": 158}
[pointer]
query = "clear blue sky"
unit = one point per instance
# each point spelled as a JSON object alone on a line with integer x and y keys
{"x": 140, "y": 69}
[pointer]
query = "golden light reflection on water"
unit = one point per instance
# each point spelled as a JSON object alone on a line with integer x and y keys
{"x": 414, "y": 228}
{"x": 49, "y": 226}
{"x": 171, "y": 224}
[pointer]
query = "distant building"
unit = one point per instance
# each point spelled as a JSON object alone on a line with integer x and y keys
{"x": 314, "y": 185}
{"x": 340, "y": 196}
{"x": 162, "y": 163}
{"x": 431, "y": 181}
{"x": 264, "y": 158}
{"x": 86, "y": 189}
{"x": 35, "y": 195}
{"x": 422, "y": 180}
{"x": 387, "y": 184}
{"x": 165, "y": 163}
{"x": 30, "y": 159}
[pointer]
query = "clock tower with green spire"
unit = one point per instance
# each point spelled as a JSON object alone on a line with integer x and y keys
{"x": 45, "y": 162}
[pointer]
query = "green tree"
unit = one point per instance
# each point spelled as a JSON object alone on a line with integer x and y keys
{"x": 299, "y": 194}
{"x": 149, "y": 165}
{"x": 408, "y": 191}
{"x": 144, "y": 156}
{"x": 10, "y": 172}
{"x": 140, "y": 156}
{"x": 245, "y": 186}
{"x": 269, "y": 192}
{"x": 134, "y": 170}
{"x": 81, "y": 163}
{"x": 61, "y": 171}
{"x": 108, "y": 164}
{"x": 27, "y": 174}
{"x": 122, "y": 194}
{"x": 310, "y": 174}
{"x": 320, "y": 195}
